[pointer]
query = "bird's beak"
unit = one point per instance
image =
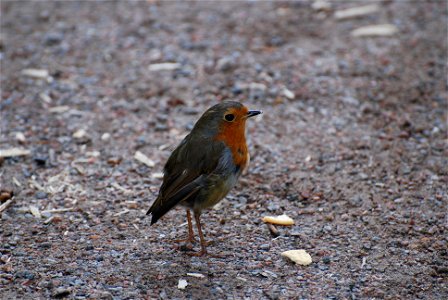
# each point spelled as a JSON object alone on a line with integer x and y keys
{"x": 252, "y": 113}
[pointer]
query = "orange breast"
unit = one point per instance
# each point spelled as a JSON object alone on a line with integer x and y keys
{"x": 233, "y": 135}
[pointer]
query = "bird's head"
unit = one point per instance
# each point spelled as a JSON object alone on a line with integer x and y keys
{"x": 226, "y": 117}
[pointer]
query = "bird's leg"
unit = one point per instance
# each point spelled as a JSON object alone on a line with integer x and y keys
{"x": 190, "y": 227}
{"x": 201, "y": 236}
{"x": 190, "y": 239}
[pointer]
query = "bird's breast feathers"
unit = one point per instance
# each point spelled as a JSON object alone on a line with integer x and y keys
{"x": 235, "y": 140}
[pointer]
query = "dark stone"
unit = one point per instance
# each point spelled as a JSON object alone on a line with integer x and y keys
{"x": 46, "y": 245}
{"x": 25, "y": 275}
{"x": 53, "y": 38}
{"x": 61, "y": 292}
{"x": 40, "y": 159}
{"x": 326, "y": 260}
{"x": 236, "y": 90}
{"x": 41, "y": 195}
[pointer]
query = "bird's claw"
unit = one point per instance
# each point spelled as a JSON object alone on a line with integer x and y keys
{"x": 186, "y": 241}
{"x": 204, "y": 252}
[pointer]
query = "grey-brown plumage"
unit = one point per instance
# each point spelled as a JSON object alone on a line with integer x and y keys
{"x": 202, "y": 169}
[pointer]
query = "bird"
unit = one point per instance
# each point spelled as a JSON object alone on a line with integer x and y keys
{"x": 205, "y": 166}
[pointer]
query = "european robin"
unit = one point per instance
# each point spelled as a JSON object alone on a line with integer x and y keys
{"x": 205, "y": 165}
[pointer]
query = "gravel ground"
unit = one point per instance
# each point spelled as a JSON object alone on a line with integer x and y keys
{"x": 352, "y": 146}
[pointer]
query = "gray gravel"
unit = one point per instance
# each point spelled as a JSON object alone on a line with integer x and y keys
{"x": 352, "y": 145}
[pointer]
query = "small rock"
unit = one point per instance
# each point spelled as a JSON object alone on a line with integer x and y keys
{"x": 276, "y": 41}
{"x": 321, "y": 5}
{"x": 132, "y": 205}
{"x": 345, "y": 217}
{"x": 273, "y": 206}
{"x": 6, "y": 195}
{"x": 163, "y": 67}
{"x": 273, "y": 230}
{"x": 316, "y": 198}
{"x": 25, "y": 275}
{"x": 61, "y": 292}
{"x": 257, "y": 90}
{"x": 226, "y": 63}
{"x": 350, "y": 101}
{"x": 5, "y": 259}
{"x": 144, "y": 159}
{"x": 265, "y": 247}
{"x": 45, "y": 245}
{"x": 161, "y": 127}
{"x": 288, "y": 94}
{"x": 53, "y": 219}
{"x": 105, "y": 136}
{"x": 53, "y": 38}
{"x": 20, "y": 137}
{"x": 44, "y": 15}
{"x": 305, "y": 194}
{"x": 441, "y": 269}
{"x": 323, "y": 268}
{"x": 363, "y": 176}
{"x": 79, "y": 134}
{"x": 114, "y": 161}
{"x": 35, "y": 211}
{"x": 237, "y": 89}
{"x": 182, "y": 284}
{"x": 158, "y": 175}
{"x": 41, "y": 195}
{"x": 40, "y": 158}
{"x": 434, "y": 229}
{"x": 367, "y": 246}
{"x": 190, "y": 110}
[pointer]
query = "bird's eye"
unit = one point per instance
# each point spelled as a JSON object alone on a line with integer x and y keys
{"x": 229, "y": 117}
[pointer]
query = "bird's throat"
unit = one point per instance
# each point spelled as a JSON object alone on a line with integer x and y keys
{"x": 233, "y": 136}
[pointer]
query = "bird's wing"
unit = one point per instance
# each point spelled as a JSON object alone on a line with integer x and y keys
{"x": 185, "y": 173}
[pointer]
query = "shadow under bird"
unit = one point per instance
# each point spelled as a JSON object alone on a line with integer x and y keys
{"x": 206, "y": 165}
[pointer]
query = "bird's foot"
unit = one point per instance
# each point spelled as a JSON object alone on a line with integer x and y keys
{"x": 183, "y": 246}
{"x": 192, "y": 241}
{"x": 186, "y": 243}
{"x": 187, "y": 240}
{"x": 200, "y": 253}
{"x": 204, "y": 252}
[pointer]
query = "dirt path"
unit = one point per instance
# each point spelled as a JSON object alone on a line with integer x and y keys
{"x": 352, "y": 146}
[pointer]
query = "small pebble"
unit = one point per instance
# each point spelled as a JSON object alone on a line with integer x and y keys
{"x": 53, "y": 38}
{"x": 61, "y": 292}
{"x": 326, "y": 260}
{"x": 182, "y": 284}
{"x": 41, "y": 195}
{"x": 265, "y": 247}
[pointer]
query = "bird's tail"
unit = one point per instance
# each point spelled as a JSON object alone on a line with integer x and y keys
{"x": 162, "y": 205}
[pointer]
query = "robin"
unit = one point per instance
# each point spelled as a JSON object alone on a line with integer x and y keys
{"x": 205, "y": 165}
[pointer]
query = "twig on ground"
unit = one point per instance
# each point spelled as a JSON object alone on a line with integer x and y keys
{"x": 6, "y": 204}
